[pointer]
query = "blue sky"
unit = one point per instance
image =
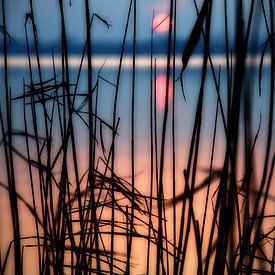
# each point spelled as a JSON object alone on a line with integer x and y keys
{"x": 115, "y": 12}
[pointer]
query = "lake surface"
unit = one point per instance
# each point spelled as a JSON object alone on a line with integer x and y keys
{"x": 184, "y": 120}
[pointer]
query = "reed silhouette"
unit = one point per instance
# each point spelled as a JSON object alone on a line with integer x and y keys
{"x": 90, "y": 222}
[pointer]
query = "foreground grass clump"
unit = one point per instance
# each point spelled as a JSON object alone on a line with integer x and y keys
{"x": 211, "y": 215}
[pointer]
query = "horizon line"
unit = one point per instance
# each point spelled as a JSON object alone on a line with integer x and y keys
{"x": 111, "y": 62}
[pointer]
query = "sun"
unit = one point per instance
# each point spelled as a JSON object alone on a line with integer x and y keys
{"x": 161, "y": 22}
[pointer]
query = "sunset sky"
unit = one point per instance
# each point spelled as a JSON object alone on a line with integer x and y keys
{"x": 106, "y": 44}
{"x": 115, "y": 13}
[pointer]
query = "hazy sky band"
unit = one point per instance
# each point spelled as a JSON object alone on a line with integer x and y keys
{"x": 112, "y": 62}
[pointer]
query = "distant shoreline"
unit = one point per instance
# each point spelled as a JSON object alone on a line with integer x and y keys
{"x": 112, "y": 62}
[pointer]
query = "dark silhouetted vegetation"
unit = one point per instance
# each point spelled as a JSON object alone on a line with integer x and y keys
{"x": 88, "y": 221}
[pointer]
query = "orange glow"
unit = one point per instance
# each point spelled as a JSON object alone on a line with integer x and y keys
{"x": 161, "y": 22}
{"x": 161, "y": 91}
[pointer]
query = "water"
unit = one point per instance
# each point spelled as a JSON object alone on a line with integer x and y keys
{"x": 184, "y": 120}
